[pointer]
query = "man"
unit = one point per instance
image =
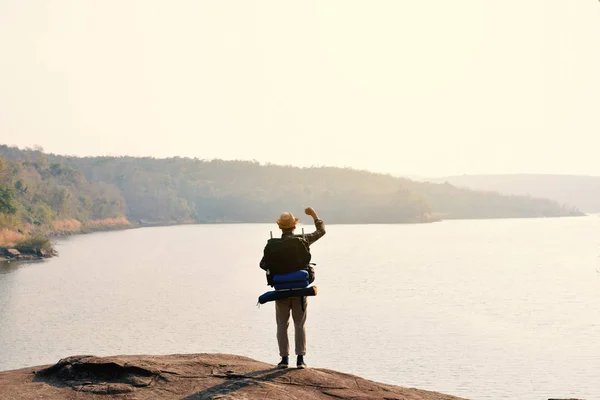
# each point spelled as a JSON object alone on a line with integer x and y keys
{"x": 297, "y": 305}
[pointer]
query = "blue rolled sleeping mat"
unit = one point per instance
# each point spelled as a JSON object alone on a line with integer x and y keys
{"x": 301, "y": 275}
{"x": 284, "y": 294}
{"x": 293, "y": 284}
{"x": 292, "y": 280}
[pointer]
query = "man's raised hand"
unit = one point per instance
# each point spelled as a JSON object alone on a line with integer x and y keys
{"x": 311, "y": 212}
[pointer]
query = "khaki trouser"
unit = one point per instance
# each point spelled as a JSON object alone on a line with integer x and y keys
{"x": 282, "y": 314}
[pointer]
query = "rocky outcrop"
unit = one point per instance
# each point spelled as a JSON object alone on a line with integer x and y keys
{"x": 192, "y": 377}
{"x": 12, "y": 252}
{"x": 9, "y": 254}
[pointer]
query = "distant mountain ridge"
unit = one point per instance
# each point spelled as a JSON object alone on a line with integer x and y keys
{"x": 580, "y": 191}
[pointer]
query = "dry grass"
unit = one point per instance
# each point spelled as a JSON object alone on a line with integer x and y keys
{"x": 10, "y": 238}
{"x": 107, "y": 223}
{"x": 67, "y": 225}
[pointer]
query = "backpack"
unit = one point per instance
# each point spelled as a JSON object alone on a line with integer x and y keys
{"x": 287, "y": 254}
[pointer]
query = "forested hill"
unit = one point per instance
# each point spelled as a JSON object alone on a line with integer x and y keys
{"x": 178, "y": 190}
{"x": 580, "y": 191}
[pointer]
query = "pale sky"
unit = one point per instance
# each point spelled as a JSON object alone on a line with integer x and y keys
{"x": 419, "y": 87}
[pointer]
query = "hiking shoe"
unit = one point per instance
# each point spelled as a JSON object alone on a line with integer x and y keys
{"x": 284, "y": 363}
{"x": 300, "y": 363}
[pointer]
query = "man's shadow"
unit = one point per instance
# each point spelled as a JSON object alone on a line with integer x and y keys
{"x": 236, "y": 382}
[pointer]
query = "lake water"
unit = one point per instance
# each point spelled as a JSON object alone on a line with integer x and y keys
{"x": 489, "y": 309}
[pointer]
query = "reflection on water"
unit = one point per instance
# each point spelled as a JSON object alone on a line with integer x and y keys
{"x": 9, "y": 266}
{"x": 498, "y": 309}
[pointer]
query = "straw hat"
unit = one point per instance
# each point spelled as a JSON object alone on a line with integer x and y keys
{"x": 287, "y": 221}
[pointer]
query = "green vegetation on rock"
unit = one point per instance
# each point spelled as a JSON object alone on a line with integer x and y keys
{"x": 39, "y": 197}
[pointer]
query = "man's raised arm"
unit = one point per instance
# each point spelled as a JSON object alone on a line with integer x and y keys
{"x": 316, "y": 235}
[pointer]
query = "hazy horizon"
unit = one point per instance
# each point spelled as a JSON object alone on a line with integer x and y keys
{"x": 419, "y": 89}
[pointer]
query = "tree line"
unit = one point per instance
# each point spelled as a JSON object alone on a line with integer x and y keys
{"x": 37, "y": 188}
